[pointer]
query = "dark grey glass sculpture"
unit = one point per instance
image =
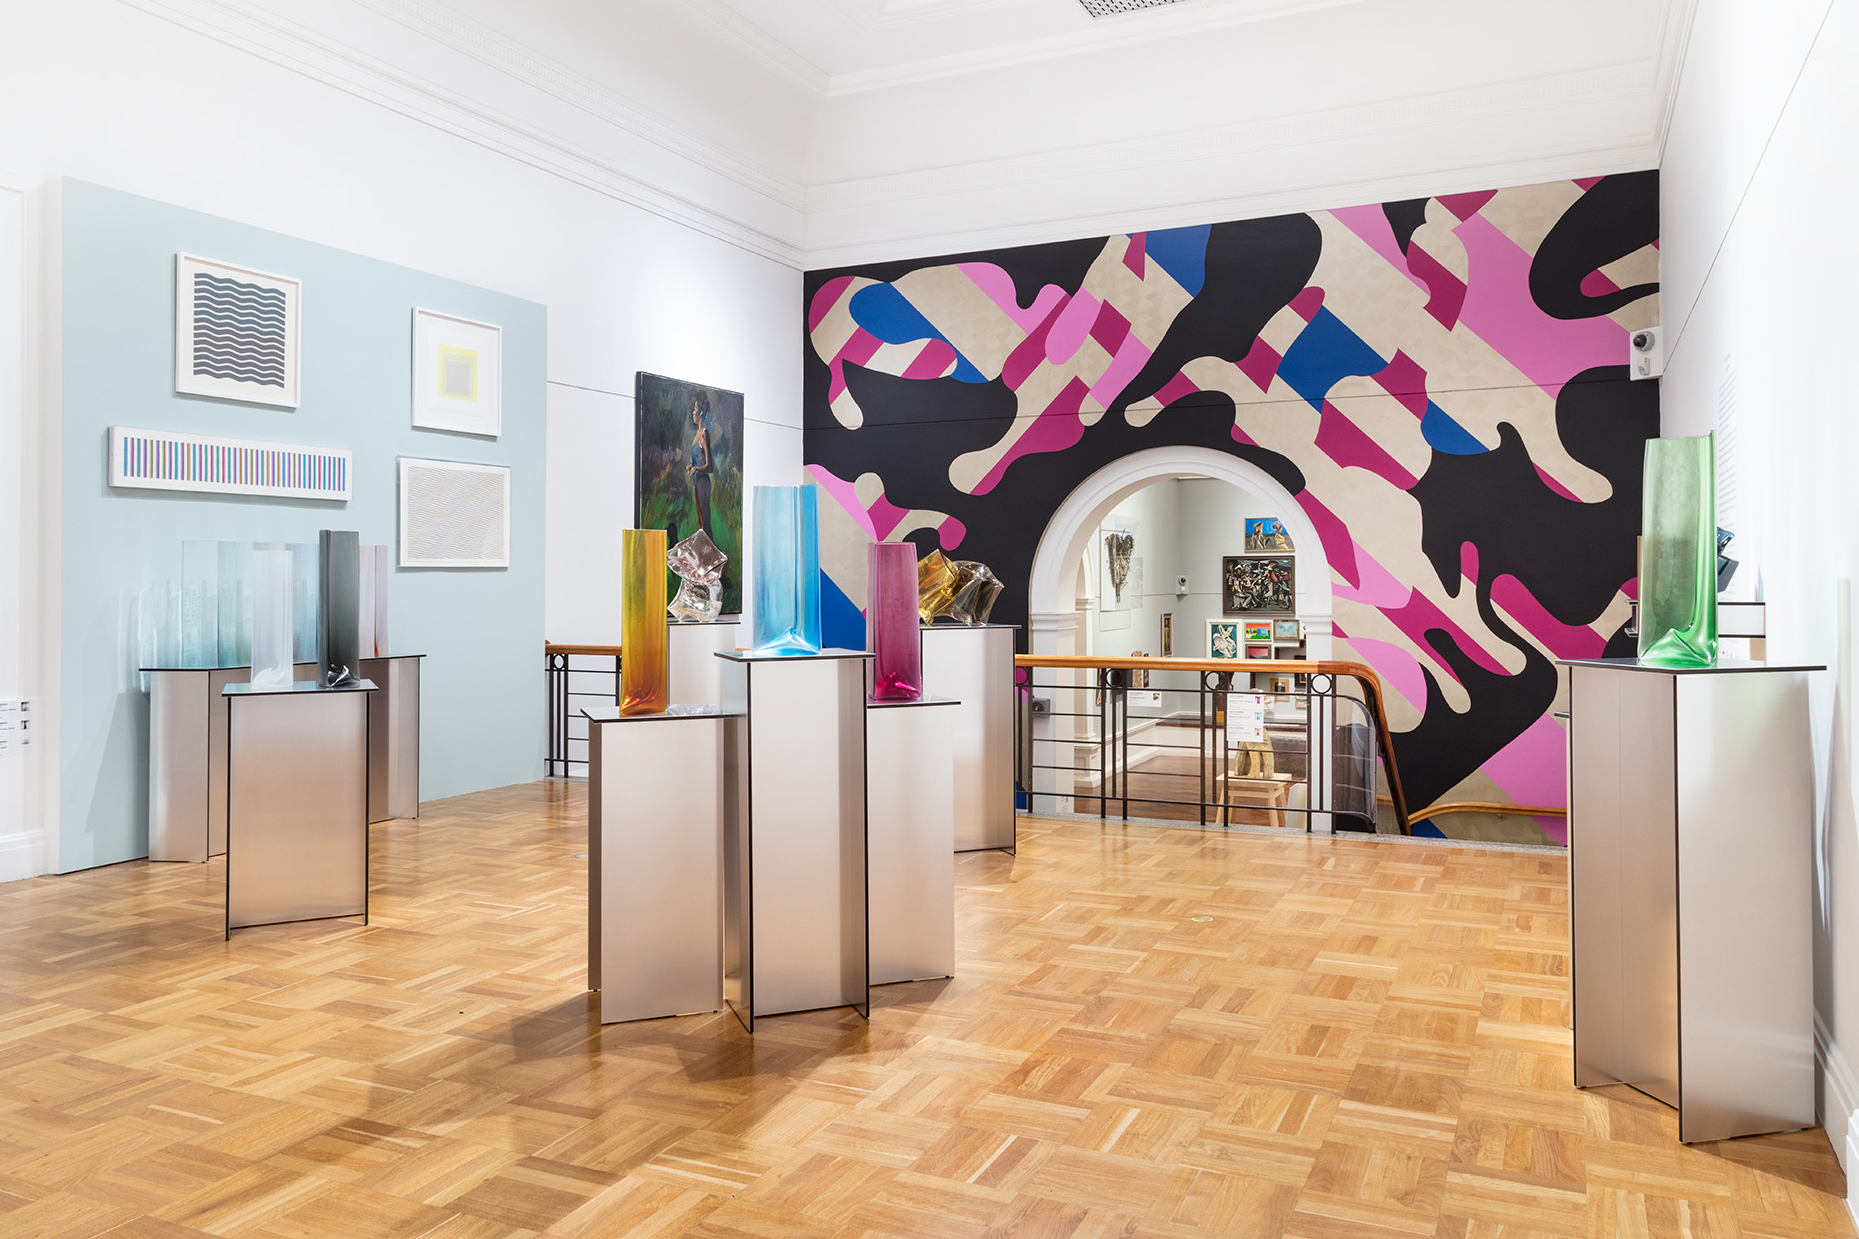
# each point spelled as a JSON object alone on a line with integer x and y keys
{"x": 338, "y": 637}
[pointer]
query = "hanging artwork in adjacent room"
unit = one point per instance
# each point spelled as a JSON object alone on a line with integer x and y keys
{"x": 457, "y": 374}
{"x": 1168, "y": 634}
{"x": 1258, "y": 583}
{"x": 1259, "y": 631}
{"x": 1267, "y": 533}
{"x": 1223, "y": 639}
{"x": 1287, "y": 630}
{"x": 235, "y": 332}
{"x": 454, "y": 515}
{"x": 688, "y": 455}
{"x": 162, "y": 460}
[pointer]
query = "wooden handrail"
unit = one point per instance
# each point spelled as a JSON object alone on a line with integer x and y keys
{"x": 552, "y": 648}
{"x": 1361, "y": 672}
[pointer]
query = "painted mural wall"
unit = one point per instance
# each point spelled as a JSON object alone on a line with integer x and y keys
{"x": 1440, "y": 383}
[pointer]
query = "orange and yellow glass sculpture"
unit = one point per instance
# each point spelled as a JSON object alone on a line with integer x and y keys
{"x": 645, "y": 670}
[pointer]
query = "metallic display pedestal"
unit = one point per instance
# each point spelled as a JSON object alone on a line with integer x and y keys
{"x": 296, "y": 803}
{"x": 694, "y": 674}
{"x": 910, "y": 795}
{"x": 1691, "y": 822}
{"x": 974, "y": 665}
{"x": 187, "y": 758}
{"x": 655, "y": 860}
{"x": 394, "y": 736}
{"x": 794, "y": 860}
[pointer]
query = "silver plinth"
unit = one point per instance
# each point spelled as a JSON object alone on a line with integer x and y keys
{"x": 794, "y": 881}
{"x": 655, "y": 860}
{"x": 296, "y": 803}
{"x": 693, "y": 673}
{"x": 187, "y": 759}
{"x": 1691, "y": 812}
{"x": 975, "y": 667}
{"x": 910, "y": 795}
{"x": 393, "y": 736}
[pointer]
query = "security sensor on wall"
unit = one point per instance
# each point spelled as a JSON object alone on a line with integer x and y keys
{"x": 1646, "y": 353}
{"x": 1181, "y": 586}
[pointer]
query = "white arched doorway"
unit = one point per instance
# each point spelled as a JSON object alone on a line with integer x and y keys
{"x": 1052, "y": 613}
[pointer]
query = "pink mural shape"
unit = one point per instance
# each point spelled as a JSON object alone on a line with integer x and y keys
{"x": 1533, "y": 768}
{"x": 1070, "y": 327}
{"x": 1468, "y": 561}
{"x": 1349, "y": 446}
{"x": 826, "y": 299}
{"x": 998, "y": 285}
{"x": 845, "y": 494}
{"x": 1260, "y": 364}
{"x": 1406, "y": 381}
{"x": 1500, "y": 311}
{"x": 1554, "y": 485}
{"x": 1421, "y": 616}
{"x": 1338, "y": 547}
{"x": 1054, "y": 430}
{"x": 1376, "y": 586}
{"x": 1562, "y": 640}
{"x": 1398, "y": 669}
{"x": 1445, "y": 291}
{"x": 1464, "y": 206}
{"x": 1135, "y": 255}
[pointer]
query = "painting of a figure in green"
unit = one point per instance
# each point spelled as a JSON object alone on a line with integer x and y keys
{"x": 689, "y": 460}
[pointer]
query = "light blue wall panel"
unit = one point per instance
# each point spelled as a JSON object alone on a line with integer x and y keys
{"x": 484, "y": 723}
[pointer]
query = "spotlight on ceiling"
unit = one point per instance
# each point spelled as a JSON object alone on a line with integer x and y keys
{"x": 1110, "y": 8}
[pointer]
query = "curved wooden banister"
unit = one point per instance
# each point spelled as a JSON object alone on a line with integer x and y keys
{"x": 1484, "y": 806}
{"x": 1361, "y": 672}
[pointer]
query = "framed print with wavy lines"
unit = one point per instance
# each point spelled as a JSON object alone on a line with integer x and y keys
{"x": 235, "y": 332}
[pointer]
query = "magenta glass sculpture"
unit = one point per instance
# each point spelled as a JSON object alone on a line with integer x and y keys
{"x": 896, "y": 637}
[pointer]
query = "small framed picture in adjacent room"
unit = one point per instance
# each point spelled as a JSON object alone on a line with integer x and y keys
{"x": 1258, "y": 583}
{"x": 1258, "y": 651}
{"x": 1258, "y": 631}
{"x": 457, "y": 374}
{"x": 1168, "y": 634}
{"x": 1287, "y": 630}
{"x": 1280, "y": 684}
{"x": 1223, "y": 639}
{"x": 235, "y": 332}
{"x": 1267, "y": 533}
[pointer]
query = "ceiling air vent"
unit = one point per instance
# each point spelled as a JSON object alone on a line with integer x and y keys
{"x": 1110, "y": 8}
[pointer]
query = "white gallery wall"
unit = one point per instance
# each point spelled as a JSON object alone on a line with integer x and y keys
{"x": 1760, "y": 261}
{"x": 364, "y": 135}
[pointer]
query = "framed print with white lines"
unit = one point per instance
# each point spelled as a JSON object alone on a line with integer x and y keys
{"x": 235, "y": 332}
{"x": 457, "y": 374}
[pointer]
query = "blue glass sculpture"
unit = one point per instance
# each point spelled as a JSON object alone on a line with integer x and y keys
{"x": 199, "y": 604}
{"x": 786, "y": 531}
{"x": 235, "y": 604}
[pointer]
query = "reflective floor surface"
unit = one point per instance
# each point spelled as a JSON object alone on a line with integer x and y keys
{"x": 1152, "y": 1032}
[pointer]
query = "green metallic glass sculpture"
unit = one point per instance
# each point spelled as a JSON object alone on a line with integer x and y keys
{"x": 1678, "y": 554}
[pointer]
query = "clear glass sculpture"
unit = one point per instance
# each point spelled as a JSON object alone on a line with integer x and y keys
{"x": 699, "y": 566}
{"x": 383, "y": 572}
{"x": 896, "y": 635}
{"x": 364, "y": 601}
{"x": 1678, "y": 554}
{"x": 645, "y": 662}
{"x": 338, "y": 657}
{"x": 199, "y": 604}
{"x": 306, "y": 574}
{"x": 272, "y": 656}
{"x": 975, "y": 591}
{"x": 935, "y": 585}
{"x": 786, "y": 530}
{"x": 235, "y": 604}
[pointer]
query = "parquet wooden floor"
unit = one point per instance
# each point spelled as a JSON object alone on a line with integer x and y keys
{"x": 1154, "y": 1034}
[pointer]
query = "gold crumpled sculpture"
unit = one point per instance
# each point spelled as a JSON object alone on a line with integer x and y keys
{"x": 936, "y": 585}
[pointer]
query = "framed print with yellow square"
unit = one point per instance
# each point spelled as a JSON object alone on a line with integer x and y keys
{"x": 457, "y": 374}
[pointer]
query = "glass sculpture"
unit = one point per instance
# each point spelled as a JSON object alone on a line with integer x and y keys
{"x": 1678, "y": 554}
{"x": 699, "y": 566}
{"x": 645, "y": 662}
{"x": 975, "y": 591}
{"x": 383, "y": 570}
{"x": 235, "y": 604}
{"x": 786, "y": 530}
{"x": 305, "y": 586}
{"x": 199, "y": 604}
{"x": 896, "y": 635}
{"x": 272, "y": 660}
{"x": 338, "y": 657}
{"x": 935, "y": 585}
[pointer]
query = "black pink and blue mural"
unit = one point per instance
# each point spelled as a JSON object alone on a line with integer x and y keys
{"x": 1441, "y": 384}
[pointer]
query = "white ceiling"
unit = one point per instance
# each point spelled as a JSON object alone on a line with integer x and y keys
{"x": 824, "y": 132}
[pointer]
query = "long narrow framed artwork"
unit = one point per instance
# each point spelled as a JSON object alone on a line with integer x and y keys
{"x": 163, "y": 460}
{"x": 235, "y": 332}
{"x": 688, "y": 455}
{"x": 457, "y": 374}
{"x": 453, "y": 514}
